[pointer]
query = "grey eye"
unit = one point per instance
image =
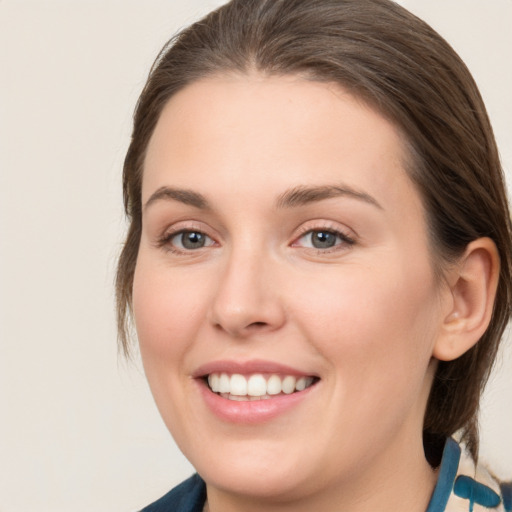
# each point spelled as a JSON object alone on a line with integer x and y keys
{"x": 190, "y": 240}
{"x": 322, "y": 239}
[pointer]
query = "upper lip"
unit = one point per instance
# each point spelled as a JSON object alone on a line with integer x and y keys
{"x": 248, "y": 367}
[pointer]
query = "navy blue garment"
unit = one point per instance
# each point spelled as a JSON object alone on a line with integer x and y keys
{"x": 189, "y": 496}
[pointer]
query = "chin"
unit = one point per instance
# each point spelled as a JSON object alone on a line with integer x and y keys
{"x": 261, "y": 469}
{"x": 256, "y": 481}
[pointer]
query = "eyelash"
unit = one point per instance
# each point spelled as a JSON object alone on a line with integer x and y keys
{"x": 347, "y": 241}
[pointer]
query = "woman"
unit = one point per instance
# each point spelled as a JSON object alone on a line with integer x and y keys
{"x": 318, "y": 260}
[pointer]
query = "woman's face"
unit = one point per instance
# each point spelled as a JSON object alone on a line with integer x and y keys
{"x": 284, "y": 247}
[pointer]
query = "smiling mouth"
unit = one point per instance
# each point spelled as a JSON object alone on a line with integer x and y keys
{"x": 257, "y": 386}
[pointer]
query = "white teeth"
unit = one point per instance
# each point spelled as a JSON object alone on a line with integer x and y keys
{"x": 274, "y": 385}
{"x": 237, "y": 398}
{"x": 224, "y": 383}
{"x": 240, "y": 387}
{"x": 301, "y": 384}
{"x": 257, "y": 386}
{"x": 213, "y": 381}
{"x": 238, "y": 384}
{"x": 288, "y": 384}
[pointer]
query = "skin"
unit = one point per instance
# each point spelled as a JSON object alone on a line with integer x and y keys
{"x": 364, "y": 316}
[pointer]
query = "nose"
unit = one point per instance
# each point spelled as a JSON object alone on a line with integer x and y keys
{"x": 247, "y": 299}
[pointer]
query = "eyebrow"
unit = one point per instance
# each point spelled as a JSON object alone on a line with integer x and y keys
{"x": 297, "y": 196}
{"x": 303, "y": 195}
{"x": 181, "y": 195}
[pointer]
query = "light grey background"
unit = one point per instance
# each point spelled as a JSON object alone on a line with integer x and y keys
{"x": 78, "y": 428}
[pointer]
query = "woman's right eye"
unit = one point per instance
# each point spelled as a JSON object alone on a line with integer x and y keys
{"x": 189, "y": 240}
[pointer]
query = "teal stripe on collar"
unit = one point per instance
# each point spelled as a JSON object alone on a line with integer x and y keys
{"x": 468, "y": 488}
{"x": 446, "y": 478}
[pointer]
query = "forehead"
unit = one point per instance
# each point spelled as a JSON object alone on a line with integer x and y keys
{"x": 240, "y": 133}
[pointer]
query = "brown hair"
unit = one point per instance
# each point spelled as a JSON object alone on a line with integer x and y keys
{"x": 404, "y": 69}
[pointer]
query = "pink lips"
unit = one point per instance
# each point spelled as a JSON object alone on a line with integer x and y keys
{"x": 249, "y": 412}
{"x": 248, "y": 367}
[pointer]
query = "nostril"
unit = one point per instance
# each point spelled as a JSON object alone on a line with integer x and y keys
{"x": 257, "y": 324}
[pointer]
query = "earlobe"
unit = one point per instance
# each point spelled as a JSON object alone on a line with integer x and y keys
{"x": 473, "y": 283}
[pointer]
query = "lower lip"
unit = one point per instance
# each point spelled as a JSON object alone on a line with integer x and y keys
{"x": 251, "y": 411}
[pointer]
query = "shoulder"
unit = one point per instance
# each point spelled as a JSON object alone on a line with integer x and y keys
{"x": 189, "y": 496}
{"x": 463, "y": 486}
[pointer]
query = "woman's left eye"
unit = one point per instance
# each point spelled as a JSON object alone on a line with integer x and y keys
{"x": 322, "y": 239}
{"x": 190, "y": 240}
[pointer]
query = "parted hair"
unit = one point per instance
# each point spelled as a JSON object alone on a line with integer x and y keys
{"x": 405, "y": 70}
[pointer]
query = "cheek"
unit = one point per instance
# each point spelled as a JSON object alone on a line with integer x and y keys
{"x": 165, "y": 308}
{"x": 373, "y": 325}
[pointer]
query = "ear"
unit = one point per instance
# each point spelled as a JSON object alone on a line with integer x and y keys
{"x": 472, "y": 284}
